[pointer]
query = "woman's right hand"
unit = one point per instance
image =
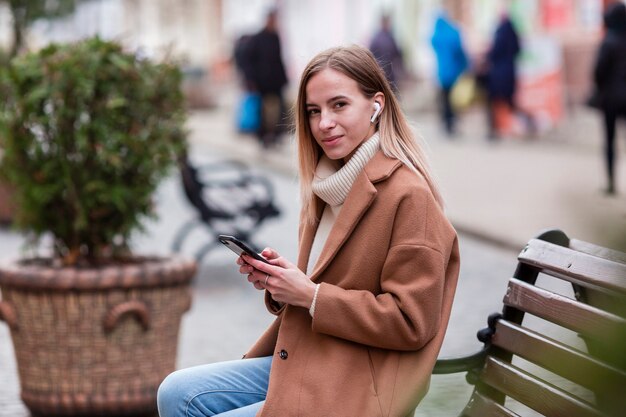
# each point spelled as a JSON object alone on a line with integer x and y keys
{"x": 256, "y": 277}
{"x": 281, "y": 278}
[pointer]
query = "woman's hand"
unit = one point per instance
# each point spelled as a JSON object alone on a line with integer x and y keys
{"x": 281, "y": 278}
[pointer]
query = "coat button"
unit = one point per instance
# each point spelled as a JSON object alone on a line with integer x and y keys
{"x": 283, "y": 354}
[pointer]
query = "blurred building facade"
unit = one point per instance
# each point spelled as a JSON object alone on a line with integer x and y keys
{"x": 558, "y": 35}
{"x": 189, "y": 27}
{"x": 559, "y": 38}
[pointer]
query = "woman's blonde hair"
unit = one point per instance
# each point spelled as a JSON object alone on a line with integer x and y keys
{"x": 396, "y": 138}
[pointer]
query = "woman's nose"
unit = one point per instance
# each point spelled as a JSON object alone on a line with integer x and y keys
{"x": 326, "y": 121}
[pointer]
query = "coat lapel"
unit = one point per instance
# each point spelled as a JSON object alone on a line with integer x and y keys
{"x": 358, "y": 201}
{"x": 360, "y": 198}
{"x": 307, "y": 235}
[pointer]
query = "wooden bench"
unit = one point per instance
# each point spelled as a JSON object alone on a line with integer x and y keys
{"x": 549, "y": 352}
{"x": 228, "y": 199}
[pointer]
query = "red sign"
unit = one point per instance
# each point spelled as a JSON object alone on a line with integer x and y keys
{"x": 557, "y": 14}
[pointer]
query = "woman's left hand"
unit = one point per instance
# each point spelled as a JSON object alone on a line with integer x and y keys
{"x": 281, "y": 278}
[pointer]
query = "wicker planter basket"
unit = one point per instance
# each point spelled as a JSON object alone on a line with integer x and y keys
{"x": 95, "y": 341}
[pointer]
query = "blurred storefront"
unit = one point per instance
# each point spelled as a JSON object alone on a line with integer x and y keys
{"x": 559, "y": 36}
{"x": 559, "y": 40}
{"x": 190, "y": 31}
{"x": 576, "y": 25}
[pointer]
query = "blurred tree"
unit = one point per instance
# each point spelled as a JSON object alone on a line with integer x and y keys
{"x": 25, "y": 12}
{"x": 4, "y": 57}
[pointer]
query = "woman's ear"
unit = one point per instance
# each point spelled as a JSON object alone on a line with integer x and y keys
{"x": 380, "y": 99}
{"x": 377, "y": 109}
{"x": 379, "y": 104}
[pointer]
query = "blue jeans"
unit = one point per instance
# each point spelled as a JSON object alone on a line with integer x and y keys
{"x": 227, "y": 389}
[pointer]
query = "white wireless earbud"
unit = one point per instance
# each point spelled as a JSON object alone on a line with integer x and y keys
{"x": 377, "y": 109}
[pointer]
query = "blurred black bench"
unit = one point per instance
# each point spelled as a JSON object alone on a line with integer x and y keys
{"x": 228, "y": 199}
{"x": 571, "y": 362}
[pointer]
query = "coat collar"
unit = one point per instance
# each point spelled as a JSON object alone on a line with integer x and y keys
{"x": 359, "y": 199}
{"x": 380, "y": 167}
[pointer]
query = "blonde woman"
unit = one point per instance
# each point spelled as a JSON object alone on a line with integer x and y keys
{"x": 361, "y": 317}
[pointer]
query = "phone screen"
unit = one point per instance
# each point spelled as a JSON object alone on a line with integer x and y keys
{"x": 239, "y": 247}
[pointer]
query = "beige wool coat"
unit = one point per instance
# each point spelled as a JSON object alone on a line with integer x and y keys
{"x": 388, "y": 273}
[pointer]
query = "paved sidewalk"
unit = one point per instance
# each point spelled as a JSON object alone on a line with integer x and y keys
{"x": 503, "y": 192}
{"x": 228, "y": 315}
{"x": 491, "y": 190}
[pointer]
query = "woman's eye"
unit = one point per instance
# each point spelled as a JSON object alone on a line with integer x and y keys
{"x": 340, "y": 104}
{"x": 312, "y": 112}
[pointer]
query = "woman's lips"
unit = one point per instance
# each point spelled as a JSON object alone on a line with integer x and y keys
{"x": 332, "y": 140}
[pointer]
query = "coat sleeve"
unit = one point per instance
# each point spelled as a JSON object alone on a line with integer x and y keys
{"x": 273, "y": 306}
{"x": 406, "y": 314}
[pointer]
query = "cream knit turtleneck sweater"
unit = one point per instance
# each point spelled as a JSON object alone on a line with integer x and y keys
{"x": 332, "y": 184}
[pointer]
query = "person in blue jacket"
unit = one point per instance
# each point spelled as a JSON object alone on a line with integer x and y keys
{"x": 451, "y": 63}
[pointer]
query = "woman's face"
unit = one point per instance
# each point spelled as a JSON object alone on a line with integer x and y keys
{"x": 338, "y": 113}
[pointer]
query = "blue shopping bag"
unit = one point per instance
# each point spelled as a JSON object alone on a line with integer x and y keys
{"x": 249, "y": 113}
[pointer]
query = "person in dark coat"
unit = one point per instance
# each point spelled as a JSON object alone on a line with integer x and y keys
{"x": 501, "y": 73}
{"x": 265, "y": 73}
{"x": 502, "y": 78}
{"x": 387, "y": 53}
{"x": 610, "y": 82}
{"x": 451, "y": 63}
{"x": 241, "y": 53}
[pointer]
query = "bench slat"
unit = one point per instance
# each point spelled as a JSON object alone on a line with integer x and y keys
{"x": 533, "y": 392}
{"x": 559, "y": 358}
{"x": 599, "y": 251}
{"x": 574, "y": 315}
{"x": 481, "y": 406}
{"x": 579, "y": 268}
{"x": 608, "y": 302}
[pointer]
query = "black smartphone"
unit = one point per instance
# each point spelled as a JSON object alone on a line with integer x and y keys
{"x": 239, "y": 247}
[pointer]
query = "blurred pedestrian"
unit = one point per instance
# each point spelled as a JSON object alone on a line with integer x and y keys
{"x": 249, "y": 106}
{"x": 264, "y": 72}
{"x": 362, "y": 315}
{"x": 451, "y": 63}
{"x": 386, "y": 51}
{"x": 500, "y": 76}
{"x": 241, "y": 55}
{"x": 610, "y": 83}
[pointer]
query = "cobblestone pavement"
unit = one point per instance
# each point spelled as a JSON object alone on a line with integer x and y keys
{"x": 228, "y": 315}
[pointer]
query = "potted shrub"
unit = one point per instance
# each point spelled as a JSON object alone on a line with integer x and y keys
{"x": 89, "y": 132}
